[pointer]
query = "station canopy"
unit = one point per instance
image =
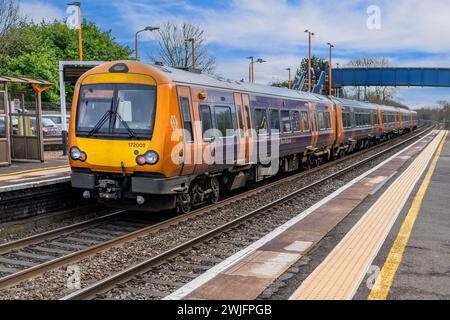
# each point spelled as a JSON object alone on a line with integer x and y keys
{"x": 23, "y": 80}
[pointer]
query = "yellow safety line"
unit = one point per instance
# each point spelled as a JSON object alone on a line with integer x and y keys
{"x": 32, "y": 170}
{"x": 382, "y": 286}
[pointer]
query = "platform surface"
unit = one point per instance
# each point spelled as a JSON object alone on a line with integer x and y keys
{"x": 422, "y": 270}
{"x": 248, "y": 273}
{"x": 22, "y": 175}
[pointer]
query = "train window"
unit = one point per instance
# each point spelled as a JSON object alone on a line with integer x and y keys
{"x": 249, "y": 124}
{"x": 305, "y": 121}
{"x": 261, "y": 121}
{"x": 241, "y": 121}
{"x": 327, "y": 119}
{"x": 224, "y": 119}
{"x": 206, "y": 119}
{"x": 375, "y": 119}
{"x": 187, "y": 122}
{"x": 321, "y": 121}
{"x": 346, "y": 120}
{"x": 274, "y": 121}
{"x": 285, "y": 121}
{"x": 295, "y": 121}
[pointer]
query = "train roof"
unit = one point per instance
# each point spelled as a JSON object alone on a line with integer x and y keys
{"x": 200, "y": 79}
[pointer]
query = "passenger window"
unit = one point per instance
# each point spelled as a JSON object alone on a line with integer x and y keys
{"x": 285, "y": 121}
{"x": 375, "y": 119}
{"x": 249, "y": 124}
{"x": 295, "y": 121}
{"x": 241, "y": 121}
{"x": 305, "y": 121}
{"x": 206, "y": 118}
{"x": 187, "y": 122}
{"x": 261, "y": 121}
{"x": 274, "y": 121}
{"x": 224, "y": 119}
{"x": 327, "y": 120}
{"x": 321, "y": 121}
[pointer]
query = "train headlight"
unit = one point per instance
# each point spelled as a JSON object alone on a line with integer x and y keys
{"x": 77, "y": 154}
{"x": 150, "y": 157}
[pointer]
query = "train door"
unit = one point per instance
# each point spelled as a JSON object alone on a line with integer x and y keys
{"x": 314, "y": 128}
{"x": 249, "y": 133}
{"x": 187, "y": 119}
{"x": 242, "y": 131}
{"x": 5, "y": 149}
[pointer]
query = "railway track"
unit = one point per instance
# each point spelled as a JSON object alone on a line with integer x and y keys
{"x": 163, "y": 273}
{"x": 27, "y": 257}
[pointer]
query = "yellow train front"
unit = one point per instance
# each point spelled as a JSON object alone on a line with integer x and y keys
{"x": 121, "y": 126}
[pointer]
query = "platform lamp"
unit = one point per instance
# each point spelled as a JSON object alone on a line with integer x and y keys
{"x": 330, "y": 72}
{"x": 310, "y": 34}
{"x": 192, "y": 41}
{"x": 251, "y": 76}
{"x": 136, "y": 47}
{"x": 289, "y": 79}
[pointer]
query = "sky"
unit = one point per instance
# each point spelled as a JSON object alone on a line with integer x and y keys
{"x": 411, "y": 33}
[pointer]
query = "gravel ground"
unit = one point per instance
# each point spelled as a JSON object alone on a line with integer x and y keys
{"x": 52, "y": 285}
{"x": 11, "y": 231}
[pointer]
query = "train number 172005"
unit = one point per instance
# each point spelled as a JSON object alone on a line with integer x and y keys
{"x": 136, "y": 145}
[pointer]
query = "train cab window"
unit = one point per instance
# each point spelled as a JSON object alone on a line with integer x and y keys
{"x": 187, "y": 122}
{"x": 224, "y": 120}
{"x": 295, "y": 121}
{"x": 305, "y": 121}
{"x": 240, "y": 120}
{"x": 261, "y": 121}
{"x": 274, "y": 121}
{"x": 321, "y": 121}
{"x": 206, "y": 119}
{"x": 285, "y": 121}
{"x": 249, "y": 124}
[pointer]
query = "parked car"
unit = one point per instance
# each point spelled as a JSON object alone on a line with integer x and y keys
{"x": 57, "y": 118}
{"x": 49, "y": 128}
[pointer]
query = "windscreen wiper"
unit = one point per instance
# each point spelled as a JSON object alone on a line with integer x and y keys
{"x": 100, "y": 123}
{"x": 131, "y": 133}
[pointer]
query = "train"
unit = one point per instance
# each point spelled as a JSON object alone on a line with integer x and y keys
{"x": 151, "y": 137}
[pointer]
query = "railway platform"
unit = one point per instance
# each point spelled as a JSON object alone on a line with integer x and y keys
{"x": 384, "y": 235}
{"x": 22, "y": 175}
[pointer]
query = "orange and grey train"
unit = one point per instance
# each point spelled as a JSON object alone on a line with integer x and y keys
{"x": 137, "y": 131}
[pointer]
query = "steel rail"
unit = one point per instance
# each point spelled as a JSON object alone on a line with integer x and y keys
{"x": 51, "y": 234}
{"x": 106, "y": 284}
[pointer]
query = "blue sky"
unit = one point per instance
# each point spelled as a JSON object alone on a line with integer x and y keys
{"x": 412, "y": 32}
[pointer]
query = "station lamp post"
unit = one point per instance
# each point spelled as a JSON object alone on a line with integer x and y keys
{"x": 192, "y": 41}
{"x": 136, "y": 47}
{"x": 289, "y": 79}
{"x": 310, "y": 34}
{"x": 251, "y": 72}
{"x": 330, "y": 72}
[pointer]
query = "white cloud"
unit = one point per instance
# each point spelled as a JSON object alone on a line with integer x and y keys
{"x": 41, "y": 10}
{"x": 274, "y": 30}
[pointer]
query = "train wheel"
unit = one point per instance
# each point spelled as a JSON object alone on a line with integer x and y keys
{"x": 215, "y": 187}
{"x": 184, "y": 204}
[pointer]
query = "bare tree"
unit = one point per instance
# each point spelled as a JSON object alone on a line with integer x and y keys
{"x": 174, "y": 51}
{"x": 378, "y": 94}
{"x": 10, "y": 19}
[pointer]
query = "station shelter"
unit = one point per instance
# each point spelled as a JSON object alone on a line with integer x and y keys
{"x": 21, "y": 135}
